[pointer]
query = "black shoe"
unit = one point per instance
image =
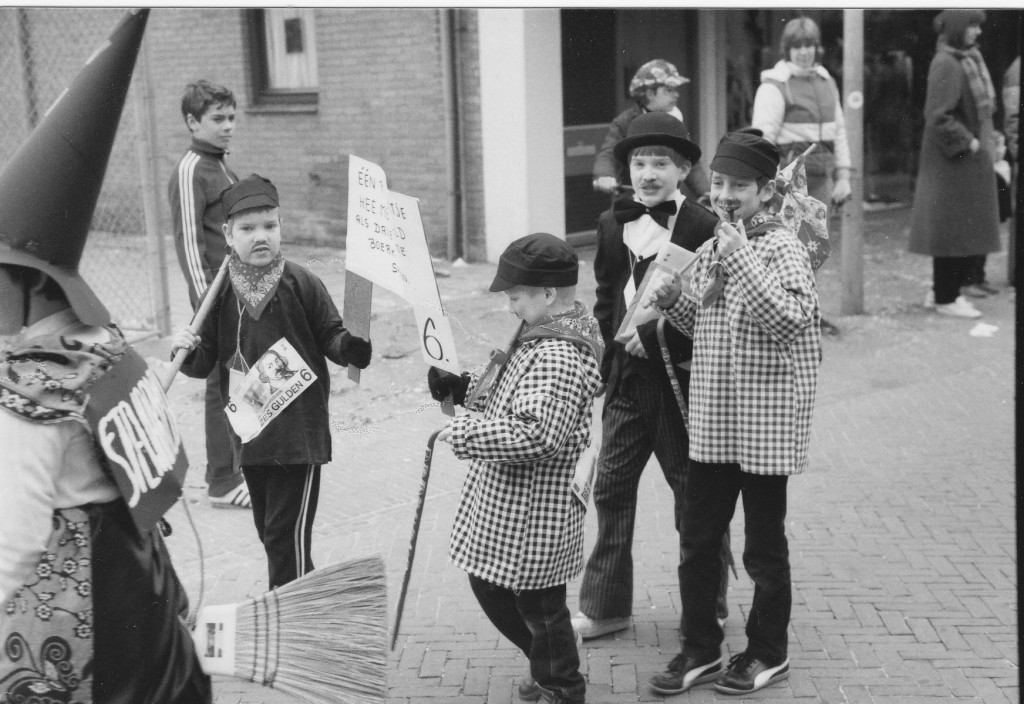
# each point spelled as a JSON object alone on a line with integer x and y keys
{"x": 747, "y": 674}
{"x": 828, "y": 328}
{"x": 529, "y": 690}
{"x": 685, "y": 672}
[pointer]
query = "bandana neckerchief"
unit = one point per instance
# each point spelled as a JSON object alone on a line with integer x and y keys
{"x": 977, "y": 75}
{"x": 255, "y": 286}
{"x": 46, "y": 378}
{"x": 577, "y": 326}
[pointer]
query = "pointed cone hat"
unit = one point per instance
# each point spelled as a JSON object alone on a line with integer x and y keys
{"x": 49, "y": 188}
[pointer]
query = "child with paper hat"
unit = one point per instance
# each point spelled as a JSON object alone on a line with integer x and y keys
{"x": 274, "y": 309}
{"x": 754, "y": 319}
{"x": 519, "y": 528}
{"x": 89, "y": 602}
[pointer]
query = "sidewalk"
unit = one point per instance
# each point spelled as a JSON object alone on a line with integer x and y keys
{"x": 902, "y": 532}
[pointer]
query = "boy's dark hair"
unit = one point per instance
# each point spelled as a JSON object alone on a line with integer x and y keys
{"x": 951, "y": 25}
{"x": 661, "y": 150}
{"x": 199, "y": 96}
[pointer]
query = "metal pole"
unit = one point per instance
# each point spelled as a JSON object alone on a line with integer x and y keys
{"x": 852, "y": 233}
{"x": 145, "y": 147}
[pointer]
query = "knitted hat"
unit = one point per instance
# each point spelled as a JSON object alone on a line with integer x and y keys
{"x": 539, "y": 259}
{"x": 656, "y": 128}
{"x": 746, "y": 155}
{"x": 49, "y": 188}
{"x": 253, "y": 191}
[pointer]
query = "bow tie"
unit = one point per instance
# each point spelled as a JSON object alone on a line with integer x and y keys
{"x": 628, "y": 210}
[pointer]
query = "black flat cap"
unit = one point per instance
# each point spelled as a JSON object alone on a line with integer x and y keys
{"x": 539, "y": 259}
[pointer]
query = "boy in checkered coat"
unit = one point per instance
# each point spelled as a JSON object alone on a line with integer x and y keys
{"x": 755, "y": 322}
{"x": 519, "y": 527}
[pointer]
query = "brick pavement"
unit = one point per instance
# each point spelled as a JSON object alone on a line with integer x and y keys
{"x": 902, "y": 531}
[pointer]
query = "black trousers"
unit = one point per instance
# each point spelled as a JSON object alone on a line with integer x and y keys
{"x": 284, "y": 501}
{"x": 950, "y": 273}
{"x": 640, "y": 418}
{"x": 711, "y": 494}
{"x": 537, "y": 622}
{"x": 221, "y": 474}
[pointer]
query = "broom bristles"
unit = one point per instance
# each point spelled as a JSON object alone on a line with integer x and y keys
{"x": 320, "y": 638}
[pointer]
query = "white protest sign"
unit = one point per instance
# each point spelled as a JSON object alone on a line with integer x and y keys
{"x": 386, "y": 244}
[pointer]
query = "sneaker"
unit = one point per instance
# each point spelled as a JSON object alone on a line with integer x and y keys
{"x": 988, "y": 288}
{"x": 828, "y": 328}
{"x": 236, "y": 498}
{"x": 974, "y": 291}
{"x": 685, "y": 672}
{"x": 529, "y": 690}
{"x": 747, "y": 674}
{"x": 960, "y": 308}
{"x": 588, "y": 628}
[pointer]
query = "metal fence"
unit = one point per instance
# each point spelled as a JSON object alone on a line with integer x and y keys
{"x": 41, "y": 51}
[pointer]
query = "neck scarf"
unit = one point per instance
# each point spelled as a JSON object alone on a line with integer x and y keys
{"x": 255, "y": 286}
{"x": 977, "y": 75}
{"x": 576, "y": 325}
{"x": 45, "y": 378}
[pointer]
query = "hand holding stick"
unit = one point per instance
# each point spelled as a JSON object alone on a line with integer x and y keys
{"x": 197, "y": 320}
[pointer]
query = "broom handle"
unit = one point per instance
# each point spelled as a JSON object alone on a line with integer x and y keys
{"x": 197, "y": 321}
{"x": 415, "y": 533}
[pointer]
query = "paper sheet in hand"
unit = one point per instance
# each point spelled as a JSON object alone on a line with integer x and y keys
{"x": 277, "y": 379}
{"x": 586, "y": 466}
{"x": 671, "y": 259}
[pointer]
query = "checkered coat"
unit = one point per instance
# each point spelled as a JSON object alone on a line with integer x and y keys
{"x": 518, "y": 524}
{"x": 756, "y": 352}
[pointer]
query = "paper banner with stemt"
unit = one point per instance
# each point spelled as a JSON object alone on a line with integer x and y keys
{"x": 134, "y": 427}
{"x": 386, "y": 245}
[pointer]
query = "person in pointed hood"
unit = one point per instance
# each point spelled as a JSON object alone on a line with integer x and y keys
{"x": 271, "y": 299}
{"x": 89, "y": 601}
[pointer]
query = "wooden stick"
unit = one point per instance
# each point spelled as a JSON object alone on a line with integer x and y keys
{"x": 415, "y": 533}
{"x": 197, "y": 320}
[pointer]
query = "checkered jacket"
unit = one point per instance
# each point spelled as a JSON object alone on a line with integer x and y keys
{"x": 756, "y": 352}
{"x": 518, "y": 524}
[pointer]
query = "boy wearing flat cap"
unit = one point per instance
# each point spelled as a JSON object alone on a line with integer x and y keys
{"x": 519, "y": 528}
{"x": 754, "y": 319}
{"x": 271, "y": 298}
{"x": 641, "y": 414}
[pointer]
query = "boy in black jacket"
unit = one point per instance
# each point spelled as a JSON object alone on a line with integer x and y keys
{"x": 641, "y": 414}
{"x": 270, "y": 299}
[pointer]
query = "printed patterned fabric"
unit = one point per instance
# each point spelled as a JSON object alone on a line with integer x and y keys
{"x": 518, "y": 523}
{"x": 48, "y": 380}
{"x": 255, "y": 285}
{"x": 47, "y": 627}
{"x": 804, "y": 215}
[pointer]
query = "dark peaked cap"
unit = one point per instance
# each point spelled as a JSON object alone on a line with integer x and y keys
{"x": 539, "y": 260}
{"x": 49, "y": 188}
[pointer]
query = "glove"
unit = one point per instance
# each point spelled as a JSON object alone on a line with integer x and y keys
{"x": 356, "y": 351}
{"x": 442, "y": 384}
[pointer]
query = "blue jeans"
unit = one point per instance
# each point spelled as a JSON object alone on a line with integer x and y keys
{"x": 710, "y": 501}
{"x": 537, "y": 622}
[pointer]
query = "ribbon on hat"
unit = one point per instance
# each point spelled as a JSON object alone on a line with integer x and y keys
{"x": 628, "y": 210}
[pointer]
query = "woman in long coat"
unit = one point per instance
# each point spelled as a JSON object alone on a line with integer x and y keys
{"x": 955, "y": 218}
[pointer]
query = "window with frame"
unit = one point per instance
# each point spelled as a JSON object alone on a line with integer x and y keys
{"x": 282, "y": 44}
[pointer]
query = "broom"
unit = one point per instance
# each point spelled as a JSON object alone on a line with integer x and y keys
{"x": 320, "y": 638}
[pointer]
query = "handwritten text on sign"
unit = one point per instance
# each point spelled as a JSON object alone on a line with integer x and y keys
{"x": 387, "y": 245}
{"x": 135, "y": 427}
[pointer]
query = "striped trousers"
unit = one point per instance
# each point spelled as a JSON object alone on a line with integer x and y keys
{"x": 284, "y": 501}
{"x": 640, "y": 418}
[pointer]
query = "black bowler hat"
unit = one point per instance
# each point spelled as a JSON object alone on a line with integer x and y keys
{"x": 657, "y": 129}
{"x": 539, "y": 260}
{"x": 253, "y": 191}
{"x": 746, "y": 155}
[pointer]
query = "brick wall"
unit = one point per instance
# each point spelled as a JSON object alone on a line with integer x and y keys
{"x": 380, "y": 98}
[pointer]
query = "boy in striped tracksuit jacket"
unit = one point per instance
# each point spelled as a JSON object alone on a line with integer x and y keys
{"x": 194, "y": 191}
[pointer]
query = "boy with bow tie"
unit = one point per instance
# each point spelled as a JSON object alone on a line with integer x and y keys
{"x": 641, "y": 414}
{"x": 269, "y": 299}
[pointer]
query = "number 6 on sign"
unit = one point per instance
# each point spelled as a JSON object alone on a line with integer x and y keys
{"x": 436, "y": 341}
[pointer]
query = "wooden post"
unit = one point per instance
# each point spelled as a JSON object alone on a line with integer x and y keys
{"x": 852, "y": 233}
{"x": 356, "y": 311}
{"x": 145, "y": 147}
